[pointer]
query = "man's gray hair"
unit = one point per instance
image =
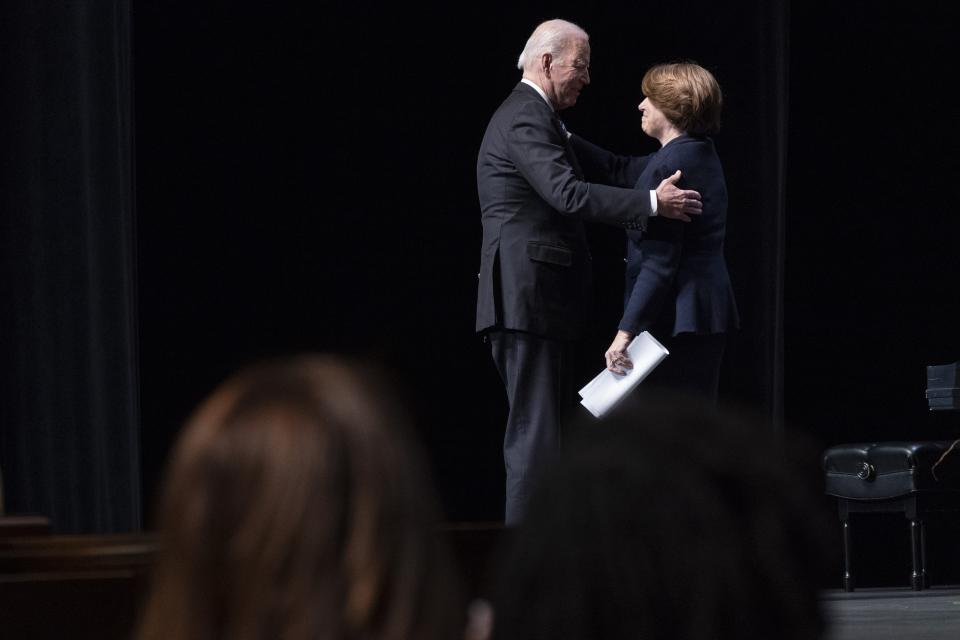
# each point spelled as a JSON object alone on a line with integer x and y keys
{"x": 550, "y": 37}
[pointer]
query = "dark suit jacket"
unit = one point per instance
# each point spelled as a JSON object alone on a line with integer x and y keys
{"x": 676, "y": 277}
{"x": 534, "y": 261}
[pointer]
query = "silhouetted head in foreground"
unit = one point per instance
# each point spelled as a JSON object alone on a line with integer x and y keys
{"x": 670, "y": 521}
{"x": 297, "y": 507}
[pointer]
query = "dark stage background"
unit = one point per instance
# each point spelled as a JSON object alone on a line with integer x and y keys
{"x": 301, "y": 177}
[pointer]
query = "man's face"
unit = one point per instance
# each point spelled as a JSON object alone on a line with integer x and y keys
{"x": 570, "y": 73}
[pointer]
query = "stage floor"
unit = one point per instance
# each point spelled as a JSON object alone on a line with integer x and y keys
{"x": 878, "y": 614}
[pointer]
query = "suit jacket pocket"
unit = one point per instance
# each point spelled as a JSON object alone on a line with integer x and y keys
{"x": 550, "y": 253}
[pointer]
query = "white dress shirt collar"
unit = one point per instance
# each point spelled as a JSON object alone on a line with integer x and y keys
{"x": 538, "y": 90}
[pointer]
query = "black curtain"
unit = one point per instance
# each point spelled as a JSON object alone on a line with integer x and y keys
{"x": 755, "y": 148}
{"x": 68, "y": 392}
{"x": 872, "y": 294}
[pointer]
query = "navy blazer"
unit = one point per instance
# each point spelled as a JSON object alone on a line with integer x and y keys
{"x": 676, "y": 276}
{"x": 535, "y": 272}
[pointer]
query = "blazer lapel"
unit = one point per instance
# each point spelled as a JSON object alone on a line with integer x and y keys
{"x": 562, "y": 130}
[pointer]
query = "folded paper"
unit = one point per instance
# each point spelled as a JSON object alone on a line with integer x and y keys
{"x": 607, "y": 389}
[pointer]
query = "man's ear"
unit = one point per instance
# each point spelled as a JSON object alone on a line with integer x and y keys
{"x": 545, "y": 61}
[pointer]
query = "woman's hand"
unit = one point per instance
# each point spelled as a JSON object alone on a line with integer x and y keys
{"x": 617, "y": 359}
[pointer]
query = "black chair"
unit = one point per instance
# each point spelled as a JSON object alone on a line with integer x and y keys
{"x": 918, "y": 479}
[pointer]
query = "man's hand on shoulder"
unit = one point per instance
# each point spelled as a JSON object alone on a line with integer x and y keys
{"x": 673, "y": 202}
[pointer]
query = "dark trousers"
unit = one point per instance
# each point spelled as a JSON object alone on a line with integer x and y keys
{"x": 693, "y": 366}
{"x": 538, "y": 376}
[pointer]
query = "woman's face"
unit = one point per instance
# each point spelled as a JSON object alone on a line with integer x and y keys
{"x": 652, "y": 120}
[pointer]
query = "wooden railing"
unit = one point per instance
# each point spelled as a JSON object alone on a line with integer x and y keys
{"x": 92, "y": 586}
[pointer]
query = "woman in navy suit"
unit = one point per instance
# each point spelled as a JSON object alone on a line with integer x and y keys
{"x": 677, "y": 284}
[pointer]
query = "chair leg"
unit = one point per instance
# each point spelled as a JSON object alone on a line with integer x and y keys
{"x": 847, "y": 573}
{"x": 925, "y": 581}
{"x": 916, "y": 536}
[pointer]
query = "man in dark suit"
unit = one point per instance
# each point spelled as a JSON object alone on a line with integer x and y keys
{"x": 535, "y": 277}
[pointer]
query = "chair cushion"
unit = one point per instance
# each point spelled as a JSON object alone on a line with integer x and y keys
{"x": 882, "y": 470}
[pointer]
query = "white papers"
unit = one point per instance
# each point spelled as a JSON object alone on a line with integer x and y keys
{"x": 602, "y": 393}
